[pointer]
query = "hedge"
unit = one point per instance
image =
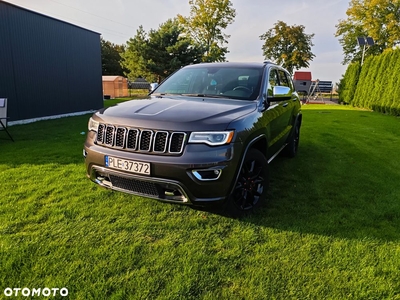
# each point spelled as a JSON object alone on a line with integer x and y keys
{"x": 375, "y": 85}
{"x": 349, "y": 82}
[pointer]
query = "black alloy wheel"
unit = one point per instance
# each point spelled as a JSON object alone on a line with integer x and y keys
{"x": 251, "y": 186}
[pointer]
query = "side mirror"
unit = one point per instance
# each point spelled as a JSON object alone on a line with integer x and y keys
{"x": 153, "y": 86}
{"x": 280, "y": 93}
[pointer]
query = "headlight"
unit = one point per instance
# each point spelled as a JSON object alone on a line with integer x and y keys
{"x": 212, "y": 138}
{"x": 93, "y": 125}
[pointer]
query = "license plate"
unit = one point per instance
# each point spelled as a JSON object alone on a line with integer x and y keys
{"x": 127, "y": 165}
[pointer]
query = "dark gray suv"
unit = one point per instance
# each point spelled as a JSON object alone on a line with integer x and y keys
{"x": 205, "y": 135}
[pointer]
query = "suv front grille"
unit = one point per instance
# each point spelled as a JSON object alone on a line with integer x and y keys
{"x": 145, "y": 140}
{"x": 162, "y": 190}
{"x": 137, "y": 186}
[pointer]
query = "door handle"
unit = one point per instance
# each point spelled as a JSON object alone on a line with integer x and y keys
{"x": 285, "y": 104}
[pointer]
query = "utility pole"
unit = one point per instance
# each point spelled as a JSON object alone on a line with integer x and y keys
{"x": 365, "y": 42}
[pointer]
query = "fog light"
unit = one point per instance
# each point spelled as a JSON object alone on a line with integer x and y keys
{"x": 207, "y": 175}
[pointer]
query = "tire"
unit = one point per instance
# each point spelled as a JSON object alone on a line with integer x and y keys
{"x": 293, "y": 144}
{"x": 251, "y": 187}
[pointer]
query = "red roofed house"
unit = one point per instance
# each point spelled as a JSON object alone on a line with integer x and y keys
{"x": 298, "y": 75}
{"x": 302, "y": 81}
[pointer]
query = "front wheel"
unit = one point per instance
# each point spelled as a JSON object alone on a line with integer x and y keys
{"x": 251, "y": 186}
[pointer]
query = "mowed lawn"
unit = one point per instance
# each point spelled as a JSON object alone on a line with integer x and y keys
{"x": 330, "y": 229}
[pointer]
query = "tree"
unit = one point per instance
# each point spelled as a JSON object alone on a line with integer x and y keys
{"x": 157, "y": 54}
{"x": 133, "y": 57}
{"x": 348, "y": 84}
{"x": 378, "y": 19}
{"x": 111, "y": 58}
{"x": 287, "y": 45}
{"x": 169, "y": 50}
{"x": 205, "y": 25}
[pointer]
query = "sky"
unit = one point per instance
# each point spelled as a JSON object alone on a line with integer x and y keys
{"x": 118, "y": 20}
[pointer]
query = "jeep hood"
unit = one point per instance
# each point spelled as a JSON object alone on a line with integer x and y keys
{"x": 176, "y": 113}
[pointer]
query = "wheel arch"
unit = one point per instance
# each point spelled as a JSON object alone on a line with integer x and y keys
{"x": 299, "y": 118}
{"x": 255, "y": 149}
{"x": 260, "y": 143}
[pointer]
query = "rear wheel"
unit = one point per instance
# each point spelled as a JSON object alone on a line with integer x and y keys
{"x": 251, "y": 186}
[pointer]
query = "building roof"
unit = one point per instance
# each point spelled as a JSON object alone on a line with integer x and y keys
{"x": 46, "y": 16}
{"x": 111, "y": 78}
{"x": 298, "y": 75}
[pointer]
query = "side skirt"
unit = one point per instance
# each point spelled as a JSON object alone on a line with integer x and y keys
{"x": 277, "y": 153}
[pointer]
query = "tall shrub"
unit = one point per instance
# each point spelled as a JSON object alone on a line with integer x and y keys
{"x": 393, "y": 105}
{"x": 360, "y": 94}
{"x": 381, "y": 81}
{"x": 370, "y": 84}
{"x": 348, "y": 83}
{"x": 378, "y": 85}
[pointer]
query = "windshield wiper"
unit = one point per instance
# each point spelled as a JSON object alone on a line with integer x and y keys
{"x": 205, "y": 95}
{"x": 161, "y": 95}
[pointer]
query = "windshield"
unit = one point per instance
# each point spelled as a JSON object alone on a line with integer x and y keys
{"x": 222, "y": 82}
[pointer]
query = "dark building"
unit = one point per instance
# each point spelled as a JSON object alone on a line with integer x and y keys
{"x": 47, "y": 67}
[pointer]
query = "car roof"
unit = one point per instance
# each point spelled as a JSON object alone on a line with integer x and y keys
{"x": 231, "y": 65}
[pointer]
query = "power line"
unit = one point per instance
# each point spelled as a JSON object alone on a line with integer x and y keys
{"x": 78, "y": 22}
{"x": 101, "y": 17}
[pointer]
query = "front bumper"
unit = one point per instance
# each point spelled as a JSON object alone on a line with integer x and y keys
{"x": 187, "y": 178}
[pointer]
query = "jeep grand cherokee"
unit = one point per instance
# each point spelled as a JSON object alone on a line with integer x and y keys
{"x": 205, "y": 135}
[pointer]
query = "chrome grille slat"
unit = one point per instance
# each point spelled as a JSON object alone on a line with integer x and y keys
{"x": 120, "y": 137}
{"x": 177, "y": 141}
{"x": 132, "y": 139}
{"x": 100, "y": 133}
{"x": 145, "y": 140}
{"x": 160, "y": 141}
{"x": 141, "y": 140}
{"x": 109, "y": 135}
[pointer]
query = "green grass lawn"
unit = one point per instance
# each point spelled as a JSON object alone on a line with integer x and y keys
{"x": 330, "y": 229}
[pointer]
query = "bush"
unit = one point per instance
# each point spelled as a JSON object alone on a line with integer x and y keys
{"x": 348, "y": 84}
{"x": 380, "y": 83}
{"x": 375, "y": 85}
{"x": 365, "y": 73}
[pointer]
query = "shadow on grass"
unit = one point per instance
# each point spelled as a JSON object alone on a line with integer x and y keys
{"x": 313, "y": 194}
{"x": 340, "y": 205}
{"x": 344, "y": 181}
